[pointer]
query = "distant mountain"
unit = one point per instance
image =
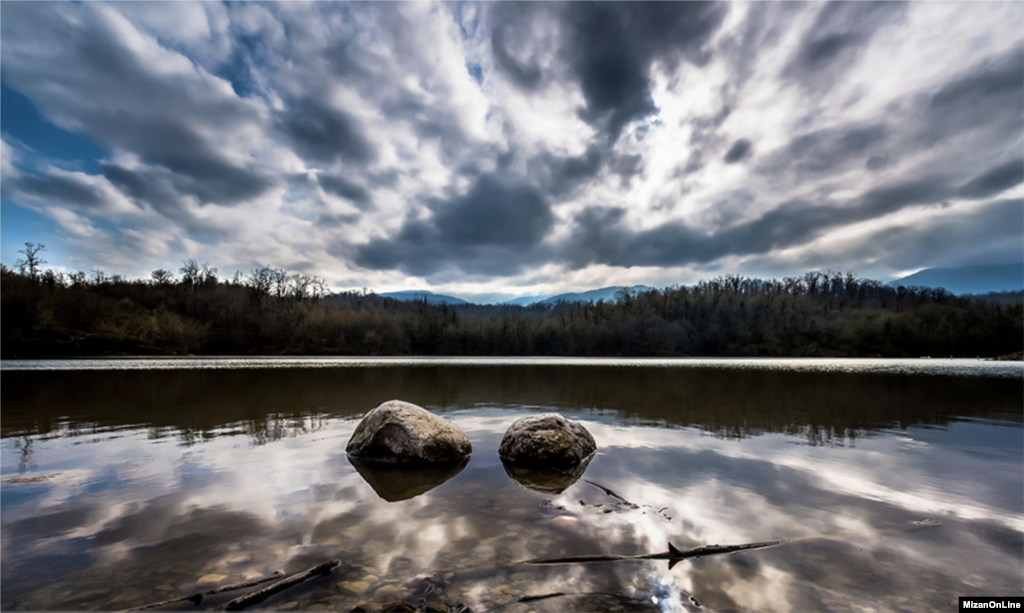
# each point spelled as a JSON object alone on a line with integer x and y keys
{"x": 431, "y": 297}
{"x": 525, "y": 300}
{"x": 605, "y": 293}
{"x": 969, "y": 279}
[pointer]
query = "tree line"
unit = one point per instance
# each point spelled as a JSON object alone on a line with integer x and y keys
{"x": 275, "y": 312}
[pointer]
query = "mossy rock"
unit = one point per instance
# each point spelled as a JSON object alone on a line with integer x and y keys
{"x": 546, "y": 441}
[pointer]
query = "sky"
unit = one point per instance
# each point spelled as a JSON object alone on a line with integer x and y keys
{"x": 499, "y": 149}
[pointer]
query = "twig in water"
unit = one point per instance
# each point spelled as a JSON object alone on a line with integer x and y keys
{"x": 260, "y": 595}
{"x": 606, "y": 490}
{"x": 198, "y": 596}
{"x": 540, "y": 597}
{"x": 673, "y": 555}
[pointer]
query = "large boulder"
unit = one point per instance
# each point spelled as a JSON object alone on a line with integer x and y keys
{"x": 398, "y": 432}
{"x": 546, "y": 441}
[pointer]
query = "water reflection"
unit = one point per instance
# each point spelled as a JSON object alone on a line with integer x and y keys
{"x": 546, "y": 480}
{"x": 825, "y": 406}
{"x": 393, "y": 483}
{"x": 105, "y": 507}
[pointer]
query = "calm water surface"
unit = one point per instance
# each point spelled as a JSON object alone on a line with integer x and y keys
{"x": 127, "y": 482}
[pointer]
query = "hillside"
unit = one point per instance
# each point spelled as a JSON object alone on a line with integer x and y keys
{"x": 969, "y": 279}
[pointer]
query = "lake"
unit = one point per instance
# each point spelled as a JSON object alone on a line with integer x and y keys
{"x": 897, "y": 485}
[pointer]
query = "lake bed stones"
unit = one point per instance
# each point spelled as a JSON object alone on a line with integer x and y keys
{"x": 397, "y": 432}
{"x": 546, "y": 441}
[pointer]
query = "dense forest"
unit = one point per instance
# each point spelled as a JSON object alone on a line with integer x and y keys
{"x": 271, "y": 312}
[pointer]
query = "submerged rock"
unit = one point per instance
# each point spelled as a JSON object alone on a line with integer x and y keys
{"x": 546, "y": 441}
{"x": 399, "y": 432}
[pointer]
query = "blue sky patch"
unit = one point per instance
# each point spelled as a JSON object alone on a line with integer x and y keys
{"x": 22, "y": 120}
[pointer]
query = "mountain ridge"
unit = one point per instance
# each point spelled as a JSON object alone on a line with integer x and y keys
{"x": 980, "y": 279}
{"x": 604, "y": 293}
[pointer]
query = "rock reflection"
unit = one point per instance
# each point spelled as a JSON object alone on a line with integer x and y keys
{"x": 546, "y": 480}
{"x": 393, "y": 483}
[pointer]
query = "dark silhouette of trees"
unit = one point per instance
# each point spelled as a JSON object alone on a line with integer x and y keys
{"x": 272, "y": 311}
{"x": 32, "y": 262}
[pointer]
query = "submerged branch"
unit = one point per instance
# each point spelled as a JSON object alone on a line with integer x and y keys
{"x": 198, "y": 596}
{"x": 675, "y": 555}
{"x": 260, "y": 595}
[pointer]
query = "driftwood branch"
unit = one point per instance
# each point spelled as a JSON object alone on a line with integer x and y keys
{"x": 198, "y": 596}
{"x": 607, "y": 491}
{"x": 673, "y": 555}
{"x": 259, "y": 596}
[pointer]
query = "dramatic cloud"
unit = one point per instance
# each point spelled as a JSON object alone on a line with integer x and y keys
{"x": 840, "y": 32}
{"x": 490, "y": 230}
{"x": 530, "y": 148}
{"x": 611, "y": 48}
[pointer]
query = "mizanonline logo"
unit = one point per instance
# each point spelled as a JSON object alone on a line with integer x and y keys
{"x": 990, "y": 603}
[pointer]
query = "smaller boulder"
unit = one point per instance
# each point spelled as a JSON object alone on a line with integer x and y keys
{"x": 398, "y": 432}
{"x": 546, "y": 441}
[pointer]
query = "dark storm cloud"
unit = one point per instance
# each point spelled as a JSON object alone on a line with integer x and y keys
{"x": 839, "y": 34}
{"x": 825, "y": 151}
{"x": 1002, "y": 76}
{"x": 559, "y": 175}
{"x": 987, "y": 234}
{"x": 877, "y": 162}
{"x": 996, "y": 180}
{"x": 64, "y": 190}
{"x": 156, "y": 187}
{"x": 989, "y": 94}
{"x": 524, "y": 74}
{"x": 740, "y": 150}
{"x": 111, "y": 92}
{"x": 610, "y": 47}
{"x": 346, "y": 189}
{"x": 491, "y": 228}
{"x": 494, "y": 212}
{"x": 143, "y": 186}
{"x": 325, "y": 134}
{"x": 599, "y": 236}
{"x": 163, "y": 127}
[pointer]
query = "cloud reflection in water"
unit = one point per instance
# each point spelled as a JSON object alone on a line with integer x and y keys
{"x": 122, "y": 512}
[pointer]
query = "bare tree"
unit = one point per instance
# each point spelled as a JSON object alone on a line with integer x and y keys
{"x": 33, "y": 261}
{"x": 162, "y": 277}
{"x": 260, "y": 280}
{"x": 190, "y": 273}
{"x": 279, "y": 279}
{"x": 208, "y": 275}
{"x": 319, "y": 288}
{"x": 625, "y": 295}
{"x": 300, "y": 285}
{"x": 54, "y": 279}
